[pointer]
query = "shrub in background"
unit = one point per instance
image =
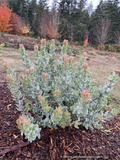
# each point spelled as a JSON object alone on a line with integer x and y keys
{"x": 57, "y": 93}
{"x": 57, "y": 43}
{"x": 19, "y": 40}
{"x": 99, "y": 47}
{"x": 112, "y": 47}
{"x": 2, "y": 45}
{"x": 31, "y": 34}
{"x": 38, "y": 38}
{"x": 86, "y": 42}
{"x": 6, "y": 44}
{"x": 11, "y": 40}
{"x": 76, "y": 43}
{"x": 33, "y": 42}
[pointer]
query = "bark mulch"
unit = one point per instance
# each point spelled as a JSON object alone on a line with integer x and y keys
{"x": 68, "y": 143}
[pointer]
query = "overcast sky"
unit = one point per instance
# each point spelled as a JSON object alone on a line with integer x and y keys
{"x": 95, "y": 2}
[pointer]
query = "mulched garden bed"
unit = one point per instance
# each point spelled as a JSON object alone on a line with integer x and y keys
{"x": 54, "y": 144}
{"x": 26, "y": 41}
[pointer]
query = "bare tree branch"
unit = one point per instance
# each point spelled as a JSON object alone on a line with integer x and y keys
{"x": 103, "y": 32}
{"x": 13, "y": 148}
{"x": 117, "y": 37}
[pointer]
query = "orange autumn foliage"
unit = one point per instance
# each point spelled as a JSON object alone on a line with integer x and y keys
{"x": 16, "y": 23}
{"x": 25, "y": 29}
{"x": 5, "y": 14}
{"x": 101, "y": 47}
{"x": 86, "y": 42}
{"x": 51, "y": 32}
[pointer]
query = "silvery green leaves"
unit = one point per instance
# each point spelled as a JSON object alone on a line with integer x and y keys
{"x": 57, "y": 115}
{"x": 66, "y": 119}
{"x": 61, "y": 118}
{"x": 58, "y": 92}
{"x": 30, "y": 130}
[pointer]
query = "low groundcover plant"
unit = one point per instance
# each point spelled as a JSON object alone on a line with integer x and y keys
{"x": 57, "y": 93}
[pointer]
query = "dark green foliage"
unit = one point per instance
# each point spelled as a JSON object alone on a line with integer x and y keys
{"x": 106, "y": 9}
{"x": 74, "y": 18}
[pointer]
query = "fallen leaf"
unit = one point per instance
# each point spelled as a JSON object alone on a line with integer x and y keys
{"x": 8, "y": 106}
{"x": 15, "y": 136}
{"x": 8, "y": 123}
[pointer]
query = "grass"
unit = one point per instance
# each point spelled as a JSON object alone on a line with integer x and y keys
{"x": 91, "y": 53}
{"x": 118, "y": 56}
{"x": 102, "y": 53}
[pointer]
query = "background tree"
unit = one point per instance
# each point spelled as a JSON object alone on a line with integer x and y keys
{"x": 117, "y": 37}
{"x": 32, "y": 12}
{"x": 41, "y": 6}
{"x": 106, "y": 9}
{"x": 113, "y": 14}
{"x": 95, "y": 20}
{"x": 81, "y": 21}
{"x": 18, "y": 6}
{"x": 43, "y": 22}
{"x": 50, "y": 31}
{"x": 53, "y": 25}
{"x": 74, "y": 19}
{"x": 5, "y": 14}
{"x": 16, "y": 23}
{"x": 103, "y": 32}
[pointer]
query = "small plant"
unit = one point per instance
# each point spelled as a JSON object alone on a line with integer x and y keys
{"x": 110, "y": 48}
{"x": 57, "y": 43}
{"x": 2, "y": 45}
{"x": 6, "y": 44}
{"x": 11, "y": 40}
{"x": 81, "y": 43}
{"x": 76, "y": 43}
{"x": 19, "y": 40}
{"x": 75, "y": 49}
{"x": 106, "y": 131}
{"x": 31, "y": 33}
{"x": 70, "y": 51}
{"x": 38, "y": 38}
{"x": 71, "y": 42}
{"x": 109, "y": 99}
{"x": 57, "y": 93}
{"x": 101, "y": 47}
{"x": 34, "y": 43}
{"x": 48, "y": 45}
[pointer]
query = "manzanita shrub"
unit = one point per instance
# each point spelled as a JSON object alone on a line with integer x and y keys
{"x": 57, "y": 93}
